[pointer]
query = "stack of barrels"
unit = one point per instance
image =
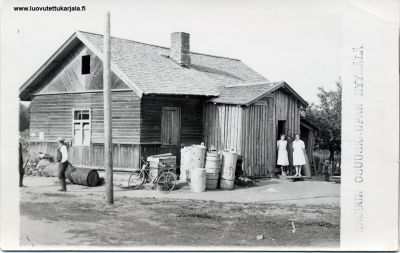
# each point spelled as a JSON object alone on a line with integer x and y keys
{"x": 228, "y": 169}
{"x": 213, "y": 168}
{"x": 205, "y": 171}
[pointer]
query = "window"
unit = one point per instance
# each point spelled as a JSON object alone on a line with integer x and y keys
{"x": 81, "y": 127}
{"x": 170, "y": 125}
{"x": 85, "y": 64}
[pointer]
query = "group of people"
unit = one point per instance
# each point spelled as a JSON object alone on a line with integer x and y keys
{"x": 290, "y": 153}
{"x": 62, "y": 159}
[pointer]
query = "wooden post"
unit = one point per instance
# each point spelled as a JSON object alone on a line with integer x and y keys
{"x": 107, "y": 112}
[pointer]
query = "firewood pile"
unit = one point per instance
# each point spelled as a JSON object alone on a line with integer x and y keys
{"x": 42, "y": 166}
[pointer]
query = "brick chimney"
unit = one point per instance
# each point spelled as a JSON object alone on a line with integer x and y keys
{"x": 180, "y": 48}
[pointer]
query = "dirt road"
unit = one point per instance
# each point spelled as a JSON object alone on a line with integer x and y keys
{"x": 51, "y": 218}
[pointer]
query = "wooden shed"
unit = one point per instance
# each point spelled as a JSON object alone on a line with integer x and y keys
{"x": 163, "y": 98}
{"x": 248, "y": 118}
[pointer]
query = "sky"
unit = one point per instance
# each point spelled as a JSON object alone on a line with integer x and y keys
{"x": 295, "y": 41}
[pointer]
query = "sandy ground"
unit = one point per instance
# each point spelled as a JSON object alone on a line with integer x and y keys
{"x": 290, "y": 214}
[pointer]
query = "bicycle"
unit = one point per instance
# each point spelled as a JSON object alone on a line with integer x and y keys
{"x": 165, "y": 178}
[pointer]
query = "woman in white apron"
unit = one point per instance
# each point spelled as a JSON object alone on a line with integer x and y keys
{"x": 283, "y": 160}
{"x": 298, "y": 154}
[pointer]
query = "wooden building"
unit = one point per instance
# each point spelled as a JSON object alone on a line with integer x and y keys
{"x": 162, "y": 99}
{"x": 249, "y": 119}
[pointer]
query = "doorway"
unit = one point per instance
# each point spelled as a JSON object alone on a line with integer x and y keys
{"x": 281, "y": 128}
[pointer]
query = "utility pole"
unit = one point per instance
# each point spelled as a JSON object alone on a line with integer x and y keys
{"x": 108, "y": 160}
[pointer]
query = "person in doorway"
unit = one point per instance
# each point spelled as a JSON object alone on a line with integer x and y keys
{"x": 21, "y": 167}
{"x": 283, "y": 160}
{"x": 298, "y": 154}
{"x": 289, "y": 149}
{"x": 62, "y": 159}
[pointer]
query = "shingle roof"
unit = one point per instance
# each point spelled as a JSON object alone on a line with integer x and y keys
{"x": 150, "y": 69}
{"x": 147, "y": 69}
{"x": 246, "y": 94}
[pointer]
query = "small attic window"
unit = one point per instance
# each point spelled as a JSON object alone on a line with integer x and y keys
{"x": 85, "y": 64}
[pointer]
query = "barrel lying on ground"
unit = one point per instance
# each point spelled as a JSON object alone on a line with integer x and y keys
{"x": 84, "y": 176}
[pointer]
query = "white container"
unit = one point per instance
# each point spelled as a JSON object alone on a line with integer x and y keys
{"x": 198, "y": 180}
{"x": 226, "y": 184}
{"x": 197, "y": 156}
{"x": 229, "y": 160}
{"x": 185, "y": 164}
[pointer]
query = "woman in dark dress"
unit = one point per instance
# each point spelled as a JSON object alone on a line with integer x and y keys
{"x": 21, "y": 167}
{"x": 289, "y": 148}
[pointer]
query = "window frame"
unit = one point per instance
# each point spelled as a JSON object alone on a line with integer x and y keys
{"x": 81, "y": 121}
{"x": 171, "y": 108}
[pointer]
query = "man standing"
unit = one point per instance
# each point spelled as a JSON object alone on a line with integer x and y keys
{"x": 62, "y": 159}
{"x": 21, "y": 167}
{"x": 289, "y": 148}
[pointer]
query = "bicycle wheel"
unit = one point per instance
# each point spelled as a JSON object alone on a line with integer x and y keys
{"x": 136, "y": 179}
{"x": 166, "y": 181}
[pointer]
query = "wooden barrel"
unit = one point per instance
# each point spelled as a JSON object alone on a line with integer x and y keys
{"x": 213, "y": 161}
{"x": 226, "y": 184}
{"x": 85, "y": 176}
{"x": 229, "y": 159}
{"x": 197, "y": 155}
{"x": 198, "y": 180}
{"x": 69, "y": 171}
{"x": 212, "y": 180}
{"x": 212, "y": 170}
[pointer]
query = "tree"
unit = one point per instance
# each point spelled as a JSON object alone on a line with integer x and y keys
{"x": 327, "y": 116}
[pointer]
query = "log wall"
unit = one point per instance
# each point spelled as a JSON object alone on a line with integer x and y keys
{"x": 52, "y": 115}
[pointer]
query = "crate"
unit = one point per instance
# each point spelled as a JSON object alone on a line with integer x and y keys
{"x": 168, "y": 160}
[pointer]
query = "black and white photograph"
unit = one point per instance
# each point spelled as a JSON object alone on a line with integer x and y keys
{"x": 193, "y": 125}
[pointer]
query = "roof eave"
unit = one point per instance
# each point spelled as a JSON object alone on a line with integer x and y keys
{"x": 265, "y": 93}
{"x": 302, "y": 101}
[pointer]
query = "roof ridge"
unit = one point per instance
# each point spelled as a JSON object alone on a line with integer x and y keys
{"x": 251, "y": 84}
{"x": 163, "y": 47}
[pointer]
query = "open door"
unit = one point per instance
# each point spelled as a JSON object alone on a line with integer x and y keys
{"x": 281, "y": 128}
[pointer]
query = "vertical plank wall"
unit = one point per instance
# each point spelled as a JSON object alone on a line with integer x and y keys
{"x": 259, "y": 138}
{"x": 287, "y": 108}
{"x": 248, "y": 130}
{"x": 223, "y": 127}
